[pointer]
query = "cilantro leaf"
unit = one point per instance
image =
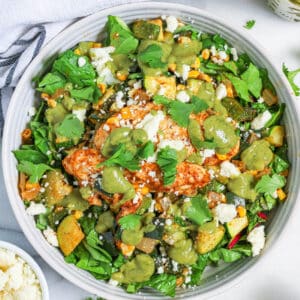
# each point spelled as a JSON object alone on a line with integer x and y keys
{"x": 146, "y": 151}
{"x": 130, "y": 222}
{"x": 35, "y": 171}
{"x": 231, "y": 66}
{"x": 180, "y": 112}
{"x": 268, "y": 184}
{"x": 158, "y": 99}
{"x": 90, "y": 93}
{"x": 152, "y": 56}
{"x": 252, "y": 77}
{"x": 290, "y": 75}
{"x": 199, "y": 104}
{"x": 67, "y": 65}
{"x": 167, "y": 161}
{"x": 279, "y": 165}
{"x": 51, "y": 82}
{"x": 249, "y": 24}
{"x": 240, "y": 86}
{"x": 197, "y": 210}
{"x": 70, "y": 127}
{"x": 120, "y": 36}
{"x": 188, "y": 28}
{"x": 123, "y": 158}
{"x": 165, "y": 283}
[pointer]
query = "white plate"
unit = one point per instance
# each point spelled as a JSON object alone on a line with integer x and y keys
{"x": 91, "y": 28}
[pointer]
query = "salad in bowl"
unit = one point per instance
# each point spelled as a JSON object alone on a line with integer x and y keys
{"x": 154, "y": 155}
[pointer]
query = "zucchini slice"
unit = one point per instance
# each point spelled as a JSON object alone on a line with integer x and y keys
{"x": 276, "y": 136}
{"x": 235, "y": 226}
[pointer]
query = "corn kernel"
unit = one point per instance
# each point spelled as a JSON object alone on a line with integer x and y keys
{"x": 205, "y": 54}
{"x": 196, "y": 64}
{"x": 102, "y": 87}
{"x": 221, "y": 156}
{"x": 253, "y": 172}
{"x": 97, "y": 45}
{"x": 285, "y": 173}
{"x": 241, "y": 211}
{"x": 145, "y": 190}
{"x": 172, "y": 67}
{"x": 126, "y": 113}
{"x": 227, "y": 58}
{"x": 184, "y": 40}
{"x": 121, "y": 76}
{"x": 45, "y": 96}
{"x": 113, "y": 121}
{"x": 193, "y": 74}
{"x": 180, "y": 87}
{"x": 281, "y": 194}
{"x": 26, "y": 134}
{"x": 204, "y": 77}
{"x": 77, "y": 51}
{"x": 32, "y": 186}
{"x": 179, "y": 281}
{"x": 127, "y": 250}
{"x": 77, "y": 214}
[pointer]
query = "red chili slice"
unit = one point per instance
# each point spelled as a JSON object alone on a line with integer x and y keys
{"x": 234, "y": 241}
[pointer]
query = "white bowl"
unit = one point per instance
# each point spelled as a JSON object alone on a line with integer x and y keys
{"x": 30, "y": 261}
{"x": 91, "y": 28}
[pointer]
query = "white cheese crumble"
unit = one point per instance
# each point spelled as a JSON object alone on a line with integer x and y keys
{"x": 260, "y": 100}
{"x": 257, "y": 239}
{"x": 183, "y": 96}
{"x": 207, "y": 153}
{"x": 172, "y": 23}
{"x": 177, "y": 145}
{"x": 229, "y": 170}
{"x": 31, "y": 111}
{"x": 51, "y": 236}
{"x": 137, "y": 85}
{"x": 106, "y": 127}
{"x": 35, "y": 209}
{"x": 234, "y": 54}
{"x": 221, "y": 91}
{"x": 221, "y": 135}
{"x": 81, "y": 61}
{"x": 213, "y": 51}
{"x": 113, "y": 282}
{"x": 150, "y": 124}
{"x": 169, "y": 222}
{"x": 222, "y": 55}
{"x": 225, "y": 212}
{"x": 185, "y": 72}
{"x": 160, "y": 270}
{"x": 119, "y": 102}
{"x": 17, "y": 279}
{"x": 261, "y": 120}
{"x": 79, "y": 113}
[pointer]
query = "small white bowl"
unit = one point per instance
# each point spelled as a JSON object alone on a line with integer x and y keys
{"x": 30, "y": 261}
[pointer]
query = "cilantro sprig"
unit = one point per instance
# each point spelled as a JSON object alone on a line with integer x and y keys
{"x": 268, "y": 184}
{"x": 290, "y": 75}
{"x": 250, "y": 24}
{"x": 152, "y": 56}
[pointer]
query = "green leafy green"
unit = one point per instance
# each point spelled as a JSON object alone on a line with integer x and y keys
{"x": 42, "y": 221}
{"x": 240, "y": 86}
{"x": 290, "y": 75}
{"x": 35, "y": 171}
{"x": 165, "y": 283}
{"x": 167, "y": 161}
{"x": 199, "y": 104}
{"x": 231, "y": 66}
{"x": 268, "y": 184}
{"x": 90, "y": 93}
{"x": 249, "y": 24}
{"x": 130, "y": 222}
{"x": 252, "y": 78}
{"x": 188, "y": 28}
{"x": 159, "y": 99}
{"x": 120, "y": 36}
{"x": 180, "y": 112}
{"x": 70, "y": 127}
{"x": 152, "y": 56}
{"x": 124, "y": 158}
{"x": 266, "y": 80}
{"x": 197, "y": 210}
{"x": 67, "y": 65}
{"x": 225, "y": 255}
{"x": 146, "y": 151}
{"x": 279, "y": 165}
{"x": 267, "y": 202}
{"x": 33, "y": 156}
{"x": 198, "y": 269}
{"x": 245, "y": 249}
{"x": 51, "y": 82}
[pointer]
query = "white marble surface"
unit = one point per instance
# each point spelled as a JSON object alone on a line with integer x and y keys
{"x": 278, "y": 275}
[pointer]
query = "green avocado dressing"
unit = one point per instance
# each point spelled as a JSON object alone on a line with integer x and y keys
{"x": 257, "y": 156}
{"x": 221, "y": 132}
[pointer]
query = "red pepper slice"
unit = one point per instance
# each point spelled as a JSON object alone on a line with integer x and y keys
{"x": 234, "y": 241}
{"x": 262, "y": 215}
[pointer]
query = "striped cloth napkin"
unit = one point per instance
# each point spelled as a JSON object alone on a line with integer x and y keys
{"x": 27, "y": 25}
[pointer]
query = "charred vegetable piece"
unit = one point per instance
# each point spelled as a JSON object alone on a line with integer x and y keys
{"x": 145, "y": 30}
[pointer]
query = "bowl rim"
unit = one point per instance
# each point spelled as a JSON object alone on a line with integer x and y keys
{"x": 32, "y": 263}
{"x": 181, "y": 8}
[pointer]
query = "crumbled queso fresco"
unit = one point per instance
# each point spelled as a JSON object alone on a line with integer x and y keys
{"x": 17, "y": 279}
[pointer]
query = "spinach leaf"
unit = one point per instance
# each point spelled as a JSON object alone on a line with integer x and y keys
{"x": 51, "y": 82}
{"x": 197, "y": 210}
{"x": 252, "y": 78}
{"x": 167, "y": 161}
{"x": 90, "y": 94}
{"x": 98, "y": 253}
{"x": 165, "y": 283}
{"x": 268, "y": 184}
{"x": 70, "y": 127}
{"x": 120, "y": 36}
{"x": 231, "y": 66}
{"x": 130, "y": 222}
{"x": 152, "y": 56}
{"x": 35, "y": 171}
{"x": 33, "y": 156}
{"x": 240, "y": 86}
{"x": 67, "y": 65}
